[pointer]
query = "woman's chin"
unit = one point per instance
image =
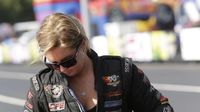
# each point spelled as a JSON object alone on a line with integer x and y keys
{"x": 69, "y": 74}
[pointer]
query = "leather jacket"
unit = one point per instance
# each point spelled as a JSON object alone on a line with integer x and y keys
{"x": 49, "y": 92}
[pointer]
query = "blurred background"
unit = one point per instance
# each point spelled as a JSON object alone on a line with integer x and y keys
{"x": 161, "y": 36}
{"x": 146, "y": 30}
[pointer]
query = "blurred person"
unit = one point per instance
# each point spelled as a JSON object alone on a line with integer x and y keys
{"x": 165, "y": 17}
{"x": 115, "y": 13}
{"x": 6, "y": 32}
{"x": 190, "y": 13}
{"x": 98, "y": 18}
{"x": 78, "y": 80}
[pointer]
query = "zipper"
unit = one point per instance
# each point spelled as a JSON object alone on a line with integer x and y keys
{"x": 77, "y": 101}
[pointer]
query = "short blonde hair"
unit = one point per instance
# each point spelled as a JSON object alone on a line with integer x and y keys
{"x": 60, "y": 30}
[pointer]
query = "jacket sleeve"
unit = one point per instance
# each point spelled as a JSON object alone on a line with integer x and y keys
{"x": 31, "y": 104}
{"x": 145, "y": 98}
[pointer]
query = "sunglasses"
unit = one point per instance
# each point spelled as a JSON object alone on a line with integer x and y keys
{"x": 67, "y": 62}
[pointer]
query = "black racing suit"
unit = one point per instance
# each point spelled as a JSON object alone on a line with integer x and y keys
{"x": 49, "y": 91}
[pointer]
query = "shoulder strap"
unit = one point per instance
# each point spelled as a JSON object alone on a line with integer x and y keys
{"x": 127, "y": 80}
{"x": 113, "y": 71}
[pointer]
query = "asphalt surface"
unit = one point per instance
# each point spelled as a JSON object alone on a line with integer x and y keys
{"x": 180, "y": 82}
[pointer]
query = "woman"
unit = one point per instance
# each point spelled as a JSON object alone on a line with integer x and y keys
{"x": 77, "y": 80}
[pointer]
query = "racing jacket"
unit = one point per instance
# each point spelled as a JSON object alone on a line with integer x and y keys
{"x": 121, "y": 87}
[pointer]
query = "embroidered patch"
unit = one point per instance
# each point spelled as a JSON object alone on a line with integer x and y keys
{"x": 35, "y": 83}
{"x": 163, "y": 100}
{"x": 112, "y": 80}
{"x": 57, "y": 106}
{"x": 28, "y": 106}
{"x": 54, "y": 90}
{"x": 127, "y": 68}
{"x": 113, "y": 93}
{"x": 29, "y": 95}
{"x": 113, "y": 103}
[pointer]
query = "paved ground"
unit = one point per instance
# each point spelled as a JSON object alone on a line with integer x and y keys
{"x": 178, "y": 81}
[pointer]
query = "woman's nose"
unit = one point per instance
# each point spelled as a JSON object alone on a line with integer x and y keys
{"x": 62, "y": 69}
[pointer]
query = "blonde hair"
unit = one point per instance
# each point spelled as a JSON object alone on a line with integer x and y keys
{"x": 60, "y": 30}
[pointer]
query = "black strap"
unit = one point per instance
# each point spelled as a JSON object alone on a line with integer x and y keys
{"x": 127, "y": 79}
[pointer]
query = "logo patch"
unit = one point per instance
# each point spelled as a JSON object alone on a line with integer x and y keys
{"x": 30, "y": 95}
{"x": 57, "y": 106}
{"x": 35, "y": 83}
{"x": 113, "y": 93}
{"x": 163, "y": 100}
{"x": 114, "y": 103}
{"x": 28, "y": 105}
{"x": 112, "y": 80}
{"x": 127, "y": 68}
{"x": 54, "y": 90}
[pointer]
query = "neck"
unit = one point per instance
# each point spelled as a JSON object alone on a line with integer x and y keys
{"x": 85, "y": 75}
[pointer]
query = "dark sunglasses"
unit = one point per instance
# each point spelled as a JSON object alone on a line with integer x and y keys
{"x": 68, "y": 62}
